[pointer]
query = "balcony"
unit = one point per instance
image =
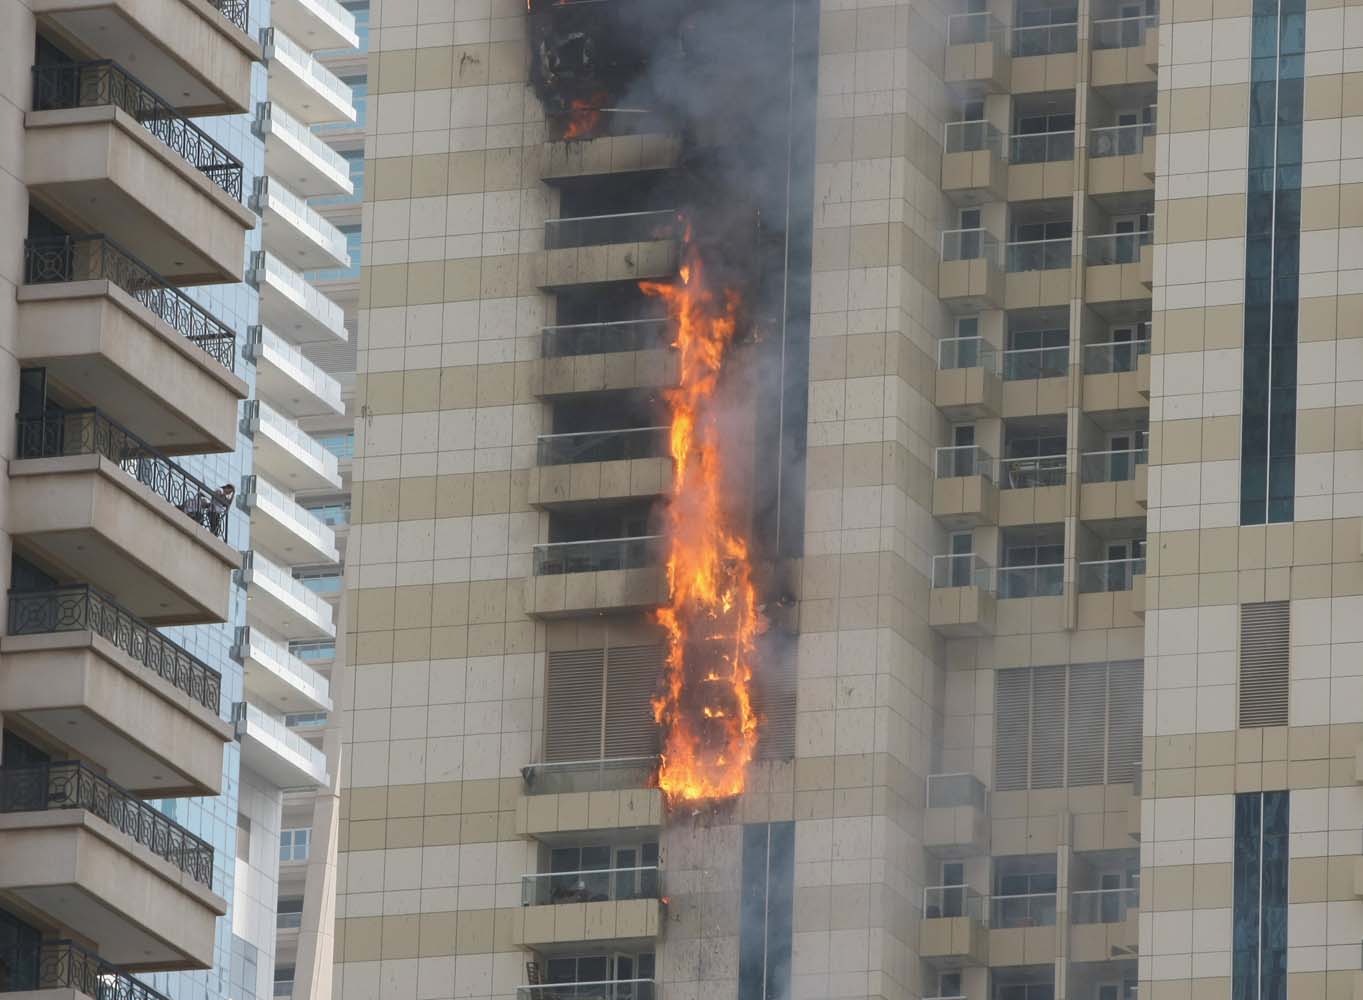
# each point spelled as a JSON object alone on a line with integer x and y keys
{"x": 197, "y": 51}
{"x": 969, "y": 278}
{"x": 574, "y": 796}
{"x": 967, "y": 380}
{"x": 282, "y": 604}
{"x": 93, "y": 858}
{"x": 601, "y": 248}
{"x": 956, "y": 823}
{"x": 291, "y": 307}
{"x": 963, "y": 491}
{"x": 619, "y": 906}
{"x": 1032, "y": 490}
{"x": 1103, "y": 924}
{"x": 1040, "y": 165}
{"x": 97, "y": 503}
{"x": 282, "y": 757}
{"x": 623, "y": 140}
{"x": 573, "y": 578}
{"x": 1039, "y": 273}
{"x": 1035, "y": 380}
{"x": 1122, "y": 50}
{"x": 600, "y": 465}
{"x": 108, "y": 328}
{"x": 1122, "y": 159}
{"x": 295, "y": 156}
{"x": 1022, "y": 929}
{"x": 1113, "y": 375}
{"x": 316, "y": 24}
{"x": 977, "y": 59}
{"x": 281, "y": 526}
{"x": 1045, "y": 57}
{"x": 606, "y": 989}
{"x": 106, "y": 153}
{"x": 287, "y": 453}
{"x": 294, "y": 384}
{"x": 296, "y": 232}
{"x": 973, "y": 168}
{"x": 1119, "y": 267}
{"x": 1111, "y": 592}
{"x": 88, "y": 673}
{"x": 962, "y": 602}
{"x": 64, "y": 968}
{"x": 277, "y": 677}
{"x": 313, "y": 94}
{"x": 952, "y": 932}
{"x": 1113, "y": 484}
{"x": 597, "y": 357}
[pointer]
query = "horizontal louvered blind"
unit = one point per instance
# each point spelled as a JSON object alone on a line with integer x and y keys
{"x": 1265, "y": 638}
{"x": 1012, "y": 717}
{"x": 572, "y": 705}
{"x": 773, "y": 696}
{"x": 1088, "y": 724}
{"x": 631, "y": 679}
{"x": 1125, "y": 708}
{"x": 1048, "y": 727}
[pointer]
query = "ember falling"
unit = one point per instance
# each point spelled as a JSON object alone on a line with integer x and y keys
{"x": 711, "y": 618}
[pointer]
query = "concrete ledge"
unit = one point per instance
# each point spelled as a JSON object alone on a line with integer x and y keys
{"x": 573, "y": 812}
{"x": 617, "y": 921}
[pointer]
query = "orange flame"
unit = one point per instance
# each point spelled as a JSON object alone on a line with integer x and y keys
{"x": 584, "y": 115}
{"x": 711, "y": 619}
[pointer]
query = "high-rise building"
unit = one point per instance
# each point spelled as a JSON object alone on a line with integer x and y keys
{"x": 1038, "y": 438}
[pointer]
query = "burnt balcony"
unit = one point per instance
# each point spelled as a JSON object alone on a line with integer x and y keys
{"x": 95, "y": 500}
{"x": 70, "y": 968}
{"x": 623, "y": 246}
{"x": 105, "y": 152}
{"x": 619, "y": 906}
{"x": 92, "y": 857}
{"x": 600, "y": 465}
{"x": 197, "y": 50}
{"x": 581, "y": 143}
{"x": 597, "y": 357}
{"x": 94, "y": 677}
{"x": 571, "y": 578}
{"x": 108, "y": 327}
{"x": 610, "y": 793}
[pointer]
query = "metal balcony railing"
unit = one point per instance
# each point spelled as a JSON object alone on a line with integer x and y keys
{"x": 81, "y": 608}
{"x": 971, "y": 136}
{"x": 955, "y": 461}
{"x": 1112, "y": 466}
{"x": 1043, "y": 580}
{"x": 970, "y": 244}
{"x": 1116, "y": 248}
{"x": 73, "y": 785}
{"x": 946, "y": 791}
{"x": 963, "y": 570}
{"x": 65, "y": 965}
{"x": 1119, "y": 140}
{"x": 576, "y": 339}
{"x": 1039, "y": 255}
{"x": 621, "y": 227}
{"x": 966, "y": 352}
{"x": 1023, "y": 364}
{"x": 1122, "y": 32}
{"x": 1110, "y": 575}
{"x": 104, "y": 82}
{"x": 1035, "y": 470}
{"x": 599, "y": 885}
{"x": 1103, "y": 906}
{"x": 98, "y": 258}
{"x": 1114, "y": 356}
{"x": 1041, "y": 147}
{"x": 973, "y": 27}
{"x": 89, "y": 432}
{"x": 598, "y": 555}
{"x": 1031, "y": 909}
{"x": 602, "y": 446}
{"x": 236, "y": 11}
{"x": 594, "y": 123}
{"x": 1045, "y": 39}
{"x": 606, "y": 989}
{"x": 949, "y": 901}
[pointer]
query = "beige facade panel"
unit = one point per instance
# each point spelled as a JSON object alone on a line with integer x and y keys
{"x": 969, "y": 392}
{"x": 545, "y": 815}
{"x": 1032, "y": 505}
{"x": 97, "y": 340}
{"x": 1116, "y": 282}
{"x": 1117, "y": 390}
{"x": 1121, "y": 67}
{"x": 1035, "y": 181}
{"x": 1033, "y": 397}
{"x": 1121, "y": 174}
{"x": 983, "y": 66}
{"x": 956, "y": 831}
{"x": 621, "y": 923}
{"x": 90, "y": 520}
{"x": 186, "y": 50}
{"x": 552, "y": 485}
{"x": 102, "y": 171}
{"x": 591, "y": 265}
{"x": 974, "y": 177}
{"x": 1111, "y": 609}
{"x": 962, "y": 611}
{"x": 603, "y": 372}
{"x": 141, "y": 912}
{"x": 567, "y": 594}
{"x": 1023, "y": 615}
{"x": 608, "y": 154}
{"x": 1032, "y": 74}
{"x": 86, "y": 693}
{"x": 952, "y": 942}
{"x": 1021, "y": 946}
{"x": 970, "y": 285}
{"x": 1114, "y": 501}
{"x": 1035, "y": 289}
{"x": 965, "y": 501}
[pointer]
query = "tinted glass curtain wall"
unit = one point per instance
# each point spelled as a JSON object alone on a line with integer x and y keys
{"x": 1272, "y": 254}
{"x": 1259, "y": 956}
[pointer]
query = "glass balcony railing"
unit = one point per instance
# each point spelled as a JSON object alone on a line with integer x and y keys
{"x": 950, "y": 901}
{"x": 947, "y": 791}
{"x": 264, "y": 343}
{"x": 1039, "y": 255}
{"x": 1122, "y": 32}
{"x": 596, "y": 886}
{"x": 958, "y": 461}
{"x": 622, "y": 227}
{"x": 969, "y": 244}
{"x": 1116, "y": 248}
{"x": 341, "y": 445}
{"x": 272, "y": 118}
{"x": 973, "y": 27}
{"x": 299, "y": 289}
{"x": 576, "y": 339}
{"x": 598, "y": 555}
{"x": 602, "y": 446}
{"x": 1112, "y": 466}
{"x": 302, "y": 63}
{"x": 608, "y": 989}
{"x": 1114, "y": 356}
{"x": 1103, "y": 906}
{"x": 333, "y": 515}
{"x": 306, "y": 219}
{"x": 599, "y": 775}
{"x": 279, "y": 658}
{"x": 963, "y": 570}
{"x": 1110, "y": 575}
{"x": 1032, "y": 909}
{"x": 1045, "y": 580}
{"x": 1119, "y": 140}
{"x": 966, "y": 352}
{"x": 288, "y": 921}
{"x": 292, "y": 435}
{"x": 282, "y": 580}
{"x": 1023, "y": 364}
{"x": 1036, "y": 470}
{"x": 287, "y": 510}
{"x": 972, "y": 136}
{"x": 267, "y": 725}
{"x": 1041, "y": 147}
{"x": 1045, "y": 39}
{"x": 320, "y": 651}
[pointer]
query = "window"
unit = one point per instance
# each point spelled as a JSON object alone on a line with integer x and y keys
{"x": 1265, "y": 643}
{"x": 1259, "y": 914}
{"x": 766, "y": 909}
{"x": 294, "y": 844}
{"x": 289, "y": 915}
{"x": 601, "y": 872}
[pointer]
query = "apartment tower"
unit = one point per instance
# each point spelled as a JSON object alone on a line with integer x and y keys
{"x": 1044, "y": 458}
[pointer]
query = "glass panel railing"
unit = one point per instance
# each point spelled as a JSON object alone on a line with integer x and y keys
{"x": 969, "y": 244}
{"x": 277, "y": 657}
{"x": 598, "y": 555}
{"x": 1033, "y": 909}
{"x": 576, "y": 339}
{"x": 300, "y": 290}
{"x": 276, "y": 730}
{"x": 292, "y": 435}
{"x": 609, "y": 989}
{"x": 949, "y": 901}
{"x": 1109, "y": 575}
{"x": 1041, "y": 147}
{"x": 1045, "y": 39}
{"x": 273, "y": 118}
{"x": 1023, "y": 364}
{"x": 266, "y": 344}
{"x": 602, "y": 446}
{"x": 623, "y": 227}
{"x": 973, "y": 27}
{"x": 966, "y": 352}
{"x": 963, "y": 570}
{"x": 303, "y": 64}
{"x": 1036, "y": 470}
{"x": 957, "y": 461}
{"x": 946, "y": 791}
{"x": 1112, "y": 466}
{"x": 1119, "y": 140}
{"x": 269, "y": 191}
{"x": 256, "y": 564}
{"x": 972, "y": 136}
{"x": 599, "y": 885}
{"x": 1031, "y": 581}
{"x": 1103, "y": 906}
{"x": 1039, "y": 255}
{"x": 1114, "y": 356}
{"x": 1116, "y": 248}
{"x": 333, "y": 515}
{"x": 600, "y": 775}
{"x": 288, "y": 511}
{"x": 1122, "y": 32}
